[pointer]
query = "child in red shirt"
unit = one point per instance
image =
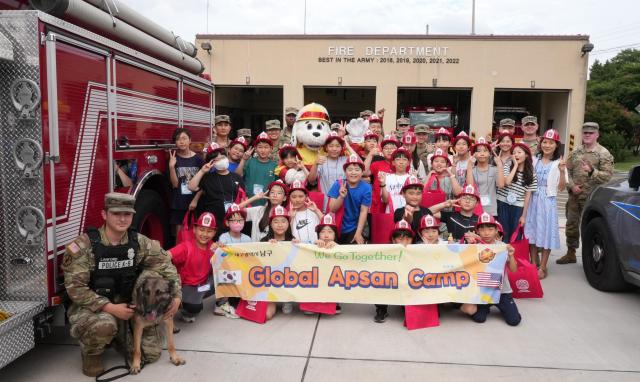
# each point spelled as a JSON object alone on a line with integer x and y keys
{"x": 192, "y": 259}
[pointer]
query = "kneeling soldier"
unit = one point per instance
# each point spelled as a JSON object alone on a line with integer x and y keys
{"x": 100, "y": 269}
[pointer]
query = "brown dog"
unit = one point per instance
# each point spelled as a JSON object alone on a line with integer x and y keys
{"x": 152, "y": 299}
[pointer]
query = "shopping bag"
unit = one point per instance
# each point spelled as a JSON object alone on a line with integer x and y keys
{"x": 525, "y": 281}
{"x": 255, "y": 311}
{"x": 340, "y": 212}
{"x": 317, "y": 198}
{"x": 421, "y": 316}
{"x": 318, "y": 307}
{"x": 520, "y": 243}
{"x": 381, "y": 226}
{"x": 431, "y": 197}
{"x": 186, "y": 231}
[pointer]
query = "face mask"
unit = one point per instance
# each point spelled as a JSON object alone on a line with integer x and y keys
{"x": 236, "y": 227}
{"x": 222, "y": 164}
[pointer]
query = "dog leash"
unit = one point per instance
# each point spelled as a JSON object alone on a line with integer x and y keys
{"x": 126, "y": 328}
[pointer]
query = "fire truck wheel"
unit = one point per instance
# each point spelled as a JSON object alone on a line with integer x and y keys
{"x": 151, "y": 217}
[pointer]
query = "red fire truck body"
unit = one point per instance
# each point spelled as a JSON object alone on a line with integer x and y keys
{"x": 74, "y": 106}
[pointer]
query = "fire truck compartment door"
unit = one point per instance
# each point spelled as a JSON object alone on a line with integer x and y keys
{"x": 6, "y": 48}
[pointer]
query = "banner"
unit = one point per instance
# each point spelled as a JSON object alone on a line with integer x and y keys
{"x": 381, "y": 274}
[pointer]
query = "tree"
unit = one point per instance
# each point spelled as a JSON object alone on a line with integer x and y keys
{"x": 613, "y": 91}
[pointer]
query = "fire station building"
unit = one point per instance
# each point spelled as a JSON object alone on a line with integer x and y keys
{"x": 480, "y": 78}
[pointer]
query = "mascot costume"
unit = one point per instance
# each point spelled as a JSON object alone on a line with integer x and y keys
{"x": 310, "y": 131}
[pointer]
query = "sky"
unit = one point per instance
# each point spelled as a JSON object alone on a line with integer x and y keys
{"x": 612, "y": 24}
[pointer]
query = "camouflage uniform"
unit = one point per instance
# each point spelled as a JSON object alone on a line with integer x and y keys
{"x": 423, "y": 149}
{"x": 602, "y": 163}
{"x": 271, "y": 125}
{"x": 94, "y": 328}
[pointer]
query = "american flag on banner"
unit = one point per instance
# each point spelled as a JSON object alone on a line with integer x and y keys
{"x": 491, "y": 280}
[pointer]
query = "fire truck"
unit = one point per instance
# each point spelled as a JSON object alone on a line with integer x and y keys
{"x": 88, "y": 87}
{"x": 515, "y": 113}
{"x": 433, "y": 116}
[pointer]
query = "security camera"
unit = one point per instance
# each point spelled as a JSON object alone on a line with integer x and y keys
{"x": 586, "y": 48}
{"x": 207, "y": 46}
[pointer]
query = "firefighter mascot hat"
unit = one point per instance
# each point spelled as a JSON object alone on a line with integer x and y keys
{"x": 310, "y": 131}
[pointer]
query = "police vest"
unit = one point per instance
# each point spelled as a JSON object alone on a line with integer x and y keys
{"x": 116, "y": 268}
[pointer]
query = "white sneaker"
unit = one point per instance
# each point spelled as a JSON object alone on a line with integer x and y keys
{"x": 287, "y": 308}
{"x": 186, "y": 318}
{"x": 225, "y": 310}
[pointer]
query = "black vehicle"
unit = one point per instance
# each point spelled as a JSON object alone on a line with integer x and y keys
{"x": 611, "y": 234}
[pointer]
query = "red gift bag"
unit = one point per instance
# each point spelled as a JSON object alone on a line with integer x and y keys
{"x": 319, "y": 307}
{"x": 431, "y": 197}
{"x": 421, "y": 316}
{"x": 186, "y": 232}
{"x": 317, "y": 198}
{"x": 525, "y": 281}
{"x": 340, "y": 212}
{"x": 255, "y": 311}
{"x": 381, "y": 226}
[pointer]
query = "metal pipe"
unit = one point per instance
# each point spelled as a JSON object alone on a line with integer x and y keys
{"x": 85, "y": 14}
{"x": 127, "y": 14}
{"x": 473, "y": 17}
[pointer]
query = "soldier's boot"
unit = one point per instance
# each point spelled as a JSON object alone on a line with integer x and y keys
{"x": 92, "y": 365}
{"x": 569, "y": 258}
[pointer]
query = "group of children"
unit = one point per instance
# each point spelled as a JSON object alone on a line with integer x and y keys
{"x": 488, "y": 191}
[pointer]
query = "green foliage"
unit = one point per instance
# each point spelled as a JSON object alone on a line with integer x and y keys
{"x": 613, "y": 91}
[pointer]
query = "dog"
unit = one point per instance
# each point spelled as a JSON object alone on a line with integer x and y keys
{"x": 152, "y": 299}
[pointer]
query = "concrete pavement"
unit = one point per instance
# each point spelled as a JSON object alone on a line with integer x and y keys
{"x": 573, "y": 333}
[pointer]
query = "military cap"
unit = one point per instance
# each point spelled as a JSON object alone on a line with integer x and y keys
{"x": 335, "y": 126}
{"x": 507, "y": 122}
{"x": 244, "y": 132}
{"x": 529, "y": 119}
{"x": 272, "y": 124}
{"x": 402, "y": 121}
{"x": 365, "y": 113}
{"x": 421, "y": 128}
{"x": 221, "y": 118}
{"x": 119, "y": 202}
{"x": 290, "y": 110}
{"x": 591, "y": 126}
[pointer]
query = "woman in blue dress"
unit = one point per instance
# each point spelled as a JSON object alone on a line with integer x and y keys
{"x": 541, "y": 226}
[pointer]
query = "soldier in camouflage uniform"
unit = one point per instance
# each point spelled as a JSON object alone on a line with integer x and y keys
{"x": 589, "y": 166}
{"x": 274, "y": 131}
{"x": 290, "y": 114}
{"x": 402, "y": 126}
{"x": 100, "y": 295}
{"x": 423, "y": 148}
{"x": 530, "y": 132}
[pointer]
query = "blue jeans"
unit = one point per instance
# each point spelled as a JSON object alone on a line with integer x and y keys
{"x": 507, "y": 307}
{"x": 508, "y": 216}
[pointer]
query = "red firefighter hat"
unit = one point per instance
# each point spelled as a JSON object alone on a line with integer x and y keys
{"x": 334, "y": 136}
{"x": 471, "y": 190}
{"x": 263, "y": 137}
{"x": 462, "y": 135}
{"x": 429, "y": 221}
{"x": 370, "y": 134}
{"x": 412, "y": 181}
{"x": 278, "y": 212}
{"x": 401, "y": 150}
{"x": 504, "y": 133}
{"x": 440, "y": 154}
{"x": 353, "y": 159}
{"x": 328, "y": 220}
{"x": 480, "y": 142}
{"x": 234, "y": 209}
{"x": 500, "y": 229}
{"x": 403, "y": 226}
{"x": 207, "y": 220}
{"x": 390, "y": 138}
{"x": 442, "y": 132}
{"x": 525, "y": 147}
{"x": 313, "y": 111}
{"x": 287, "y": 147}
{"x": 213, "y": 147}
{"x": 551, "y": 134}
{"x": 279, "y": 183}
{"x": 374, "y": 118}
{"x": 298, "y": 185}
{"x": 486, "y": 218}
{"x": 409, "y": 138}
{"x": 239, "y": 141}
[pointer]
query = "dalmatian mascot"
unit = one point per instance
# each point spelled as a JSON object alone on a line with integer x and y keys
{"x": 310, "y": 131}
